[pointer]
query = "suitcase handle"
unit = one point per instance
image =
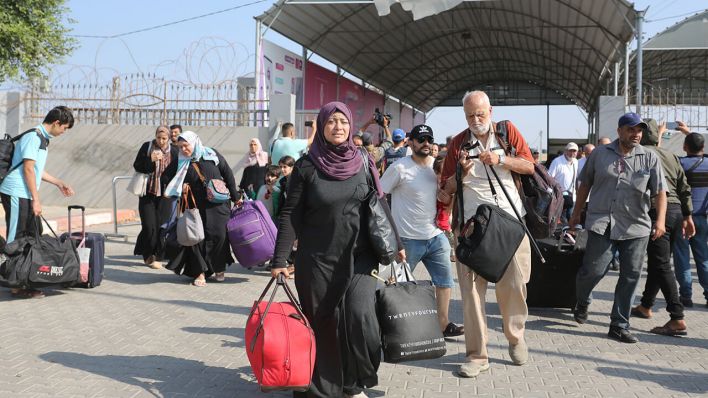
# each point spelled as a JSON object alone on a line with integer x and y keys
{"x": 83, "y": 219}
{"x": 281, "y": 281}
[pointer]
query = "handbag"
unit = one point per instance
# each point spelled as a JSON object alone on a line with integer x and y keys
{"x": 408, "y": 318}
{"x": 382, "y": 231}
{"x": 489, "y": 240}
{"x": 216, "y": 189}
{"x": 190, "y": 230}
{"x": 37, "y": 261}
{"x": 138, "y": 184}
{"x": 280, "y": 343}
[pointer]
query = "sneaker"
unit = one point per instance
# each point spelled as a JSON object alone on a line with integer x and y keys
{"x": 614, "y": 265}
{"x": 472, "y": 369}
{"x": 519, "y": 353}
{"x": 687, "y": 302}
{"x": 580, "y": 313}
{"x": 621, "y": 335}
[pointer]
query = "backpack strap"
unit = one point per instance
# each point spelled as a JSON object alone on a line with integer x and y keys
{"x": 501, "y": 133}
{"x": 43, "y": 144}
{"x": 695, "y": 165}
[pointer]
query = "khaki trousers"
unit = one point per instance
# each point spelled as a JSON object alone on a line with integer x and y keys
{"x": 511, "y": 297}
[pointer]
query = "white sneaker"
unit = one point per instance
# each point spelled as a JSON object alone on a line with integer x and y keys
{"x": 472, "y": 369}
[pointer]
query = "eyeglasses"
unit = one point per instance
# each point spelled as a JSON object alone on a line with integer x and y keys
{"x": 421, "y": 140}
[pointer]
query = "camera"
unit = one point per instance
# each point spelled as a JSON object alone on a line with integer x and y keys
{"x": 308, "y": 123}
{"x": 379, "y": 117}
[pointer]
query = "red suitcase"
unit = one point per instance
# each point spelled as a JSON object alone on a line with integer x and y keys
{"x": 280, "y": 343}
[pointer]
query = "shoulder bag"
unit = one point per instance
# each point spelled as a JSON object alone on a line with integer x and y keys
{"x": 139, "y": 182}
{"x": 382, "y": 231}
{"x": 489, "y": 240}
{"x": 216, "y": 189}
{"x": 190, "y": 230}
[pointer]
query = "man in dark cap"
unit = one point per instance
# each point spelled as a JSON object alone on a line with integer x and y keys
{"x": 624, "y": 177}
{"x": 678, "y": 222}
{"x": 412, "y": 183}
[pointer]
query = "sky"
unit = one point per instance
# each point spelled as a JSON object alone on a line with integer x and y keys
{"x": 220, "y": 46}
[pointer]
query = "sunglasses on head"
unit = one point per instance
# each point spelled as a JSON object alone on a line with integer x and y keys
{"x": 425, "y": 138}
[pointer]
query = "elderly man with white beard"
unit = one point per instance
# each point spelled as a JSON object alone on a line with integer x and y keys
{"x": 486, "y": 150}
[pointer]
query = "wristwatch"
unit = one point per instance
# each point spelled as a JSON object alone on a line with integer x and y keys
{"x": 502, "y": 158}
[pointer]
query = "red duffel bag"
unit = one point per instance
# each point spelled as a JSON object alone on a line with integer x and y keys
{"x": 280, "y": 343}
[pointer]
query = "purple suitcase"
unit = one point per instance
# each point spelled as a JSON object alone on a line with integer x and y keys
{"x": 251, "y": 233}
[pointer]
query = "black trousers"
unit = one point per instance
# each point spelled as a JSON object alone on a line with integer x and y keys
{"x": 154, "y": 211}
{"x": 19, "y": 217}
{"x": 345, "y": 325}
{"x": 660, "y": 275}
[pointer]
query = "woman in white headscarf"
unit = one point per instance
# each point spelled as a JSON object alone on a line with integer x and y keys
{"x": 254, "y": 164}
{"x": 213, "y": 254}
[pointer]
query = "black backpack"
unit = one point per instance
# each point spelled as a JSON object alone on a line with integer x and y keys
{"x": 540, "y": 193}
{"x": 7, "y": 148}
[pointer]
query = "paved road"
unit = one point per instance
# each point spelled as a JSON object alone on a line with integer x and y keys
{"x": 148, "y": 333}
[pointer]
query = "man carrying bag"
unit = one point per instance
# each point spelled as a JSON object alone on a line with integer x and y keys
{"x": 485, "y": 151}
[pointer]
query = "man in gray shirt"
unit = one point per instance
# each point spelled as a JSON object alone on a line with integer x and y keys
{"x": 624, "y": 177}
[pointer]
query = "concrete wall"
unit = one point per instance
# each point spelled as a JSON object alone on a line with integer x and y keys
{"x": 10, "y": 112}
{"x": 88, "y": 157}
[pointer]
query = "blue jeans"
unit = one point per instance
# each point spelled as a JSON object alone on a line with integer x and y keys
{"x": 682, "y": 264}
{"x": 596, "y": 262}
{"x": 435, "y": 255}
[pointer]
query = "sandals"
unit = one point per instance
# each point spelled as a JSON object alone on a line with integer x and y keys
{"x": 199, "y": 282}
{"x": 667, "y": 330}
{"x": 219, "y": 276}
{"x": 453, "y": 330}
{"x": 27, "y": 293}
{"x": 636, "y": 312}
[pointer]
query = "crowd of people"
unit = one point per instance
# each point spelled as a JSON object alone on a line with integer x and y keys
{"x": 635, "y": 199}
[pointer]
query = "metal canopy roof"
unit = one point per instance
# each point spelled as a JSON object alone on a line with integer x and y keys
{"x": 522, "y": 52}
{"x": 675, "y": 64}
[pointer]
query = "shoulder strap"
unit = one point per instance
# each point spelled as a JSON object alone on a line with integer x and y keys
{"x": 502, "y": 134}
{"x": 695, "y": 165}
{"x": 199, "y": 173}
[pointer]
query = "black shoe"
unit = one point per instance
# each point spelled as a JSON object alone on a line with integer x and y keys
{"x": 687, "y": 302}
{"x": 580, "y": 313}
{"x": 453, "y": 330}
{"x": 621, "y": 335}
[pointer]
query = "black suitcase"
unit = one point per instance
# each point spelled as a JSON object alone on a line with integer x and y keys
{"x": 552, "y": 285}
{"x": 95, "y": 242}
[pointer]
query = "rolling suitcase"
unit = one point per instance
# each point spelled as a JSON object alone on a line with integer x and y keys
{"x": 552, "y": 285}
{"x": 95, "y": 242}
{"x": 251, "y": 233}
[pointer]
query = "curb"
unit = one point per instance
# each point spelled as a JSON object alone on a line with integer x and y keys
{"x": 61, "y": 224}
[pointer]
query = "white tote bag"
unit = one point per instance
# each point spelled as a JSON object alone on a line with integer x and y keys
{"x": 138, "y": 184}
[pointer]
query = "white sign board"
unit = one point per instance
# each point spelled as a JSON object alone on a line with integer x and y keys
{"x": 283, "y": 71}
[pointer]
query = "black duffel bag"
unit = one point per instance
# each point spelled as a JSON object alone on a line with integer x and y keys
{"x": 39, "y": 261}
{"x": 488, "y": 249}
{"x": 408, "y": 318}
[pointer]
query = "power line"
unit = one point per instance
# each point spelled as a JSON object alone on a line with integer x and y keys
{"x": 169, "y": 23}
{"x": 676, "y": 16}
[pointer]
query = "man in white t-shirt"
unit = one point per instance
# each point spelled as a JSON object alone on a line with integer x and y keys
{"x": 412, "y": 184}
{"x": 564, "y": 169}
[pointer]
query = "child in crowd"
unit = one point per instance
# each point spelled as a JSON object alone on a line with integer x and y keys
{"x": 286, "y": 164}
{"x": 269, "y": 193}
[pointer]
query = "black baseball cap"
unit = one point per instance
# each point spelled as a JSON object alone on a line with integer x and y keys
{"x": 421, "y": 130}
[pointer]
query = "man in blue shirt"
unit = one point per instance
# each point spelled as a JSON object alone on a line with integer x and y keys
{"x": 288, "y": 145}
{"x": 697, "y": 175}
{"x": 20, "y": 188}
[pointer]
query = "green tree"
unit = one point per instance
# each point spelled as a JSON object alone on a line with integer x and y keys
{"x": 32, "y": 37}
